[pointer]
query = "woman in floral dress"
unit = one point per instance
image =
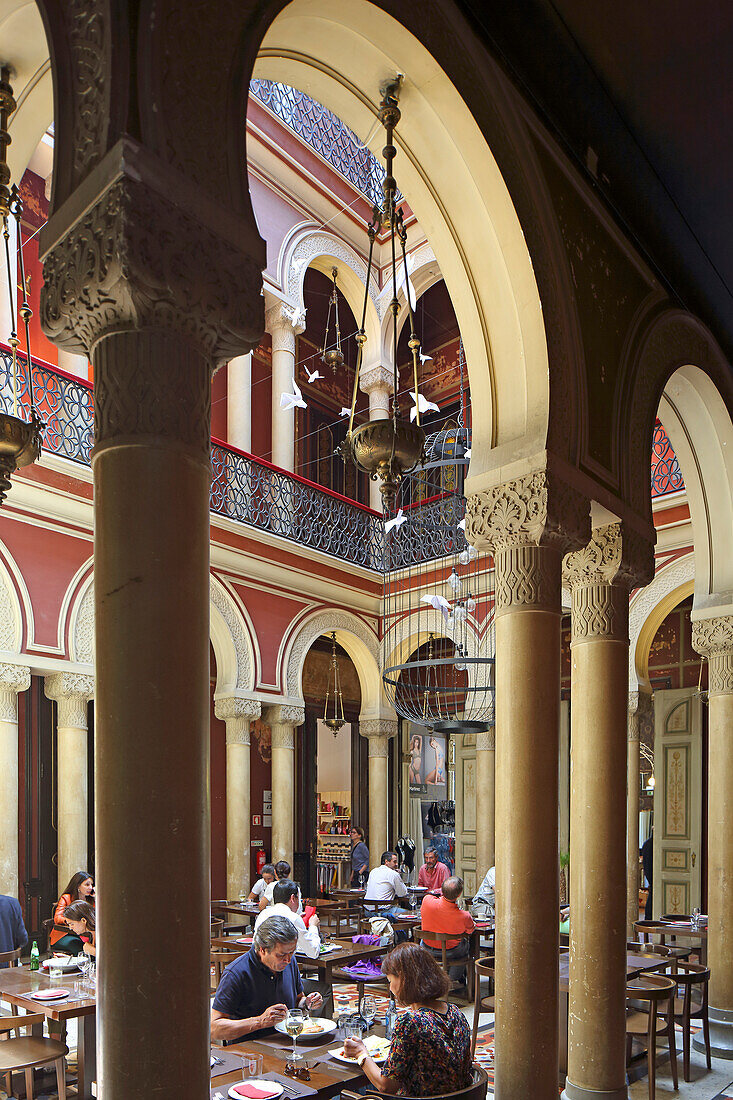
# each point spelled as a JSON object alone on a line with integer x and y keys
{"x": 430, "y": 1053}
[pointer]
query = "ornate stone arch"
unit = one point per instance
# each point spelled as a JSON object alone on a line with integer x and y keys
{"x": 11, "y": 612}
{"x": 81, "y": 629}
{"x": 679, "y": 373}
{"x": 359, "y": 641}
{"x": 649, "y": 608}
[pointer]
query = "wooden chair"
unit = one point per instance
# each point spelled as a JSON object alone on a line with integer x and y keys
{"x": 420, "y": 934}
{"x": 29, "y": 1052}
{"x": 475, "y": 1091}
{"x": 655, "y": 990}
{"x": 333, "y": 916}
{"x": 221, "y": 957}
{"x": 483, "y": 968}
{"x": 217, "y": 927}
{"x": 12, "y": 958}
{"x": 689, "y": 976}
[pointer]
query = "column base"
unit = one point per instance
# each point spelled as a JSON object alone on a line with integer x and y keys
{"x": 721, "y": 1034}
{"x": 578, "y": 1092}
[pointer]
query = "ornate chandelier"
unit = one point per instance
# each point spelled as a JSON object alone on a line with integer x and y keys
{"x": 335, "y": 720}
{"x": 20, "y": 440}
{"x": 387, "y": 449}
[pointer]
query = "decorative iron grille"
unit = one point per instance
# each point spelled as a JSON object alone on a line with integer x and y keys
{"x": 666, "y": 473}
{"x": 326, "y": 134}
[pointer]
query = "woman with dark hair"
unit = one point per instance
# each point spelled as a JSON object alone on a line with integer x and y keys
{"x": 431, "y": 1045}
{"x": 82, "y": 921}
{"x": 80, "y": 888}
{"x": 359, "y": 857}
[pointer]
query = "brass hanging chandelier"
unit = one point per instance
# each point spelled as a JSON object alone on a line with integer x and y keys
{"x": 387, "y": 449}
{"x": 332, "y": 354}
{"x": 20, "y": 439}
{"x": 335, "y": 719}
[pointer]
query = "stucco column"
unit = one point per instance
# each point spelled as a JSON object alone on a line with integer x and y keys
{"x": 237, "y": 713}
{"x": 71, "y": 692}
{"x": 378, "y": 731}
{"x": 77, "y": 365}
{"x": 640, "y": 715}
{"x": 239, "y": 402}
{"x": 713, "y": 638}
{"x": 528, "y": 523}
{"x": 13, "y": 679}
{"x": 599, "y": 579}
{"x": 279, "y": 324}
{"x": 283, "y": 721}
{"x": 378, "y": 382}
{"x": 485, "y": 798}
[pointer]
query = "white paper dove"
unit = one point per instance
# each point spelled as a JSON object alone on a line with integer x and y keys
{"x": 345, "y": 411}
{"x": 293, "y": 400}
{"x": 462, "y": 525}
{"x": 313, "y": 375}
{"x": 396, "y": 521}
{"x": 467, "y": 452}
{"x": 296, "y": 316}
{"x": 425, "y": 358}
{"x": 438, "y": 602}
{"x": 423, "y": 405}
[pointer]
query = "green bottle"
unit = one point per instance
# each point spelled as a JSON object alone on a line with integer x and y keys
{"x": 35, "y": 965}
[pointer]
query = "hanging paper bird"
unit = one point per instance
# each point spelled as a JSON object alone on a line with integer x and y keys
{"x": 313, "y": 375}
{"x": 293, "y": 400}
{"x": 296, "y": 316}
{"x": 396, "y": 521}
{"x": 425, "y": 358}
{"x": 462, "y": 525}
{"x": 439, "y": 603}
{"x": 424, "y": 406}
{"x": 345, "y": 411}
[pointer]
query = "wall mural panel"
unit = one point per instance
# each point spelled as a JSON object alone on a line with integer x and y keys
{"x": 677, "y": 801}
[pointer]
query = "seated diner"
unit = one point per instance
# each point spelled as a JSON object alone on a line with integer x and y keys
{"x": 61, "y": 938}
{"x": 430, "y": 1054}
{"x": 282, "y": 874}
{"x": 442, "y": 914}
{"x": 268, "y": 875}
{"x": 82, "y": 921}
{"x": 257, "y": 989}
{"x": 433, "y": 873}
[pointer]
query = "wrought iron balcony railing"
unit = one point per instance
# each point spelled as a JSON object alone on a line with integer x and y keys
{"x": 666, "y": 473}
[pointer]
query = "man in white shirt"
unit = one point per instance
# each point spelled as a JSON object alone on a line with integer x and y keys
{"x": 285, "y": 903}
{"x": 486, "y": 891}
{"x": 286, "y": 898}
{"x": 385, "y": 884}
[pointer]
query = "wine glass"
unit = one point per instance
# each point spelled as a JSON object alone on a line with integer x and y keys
{"x": 369, "y": 1010}
{"x": 294, "y": 1024}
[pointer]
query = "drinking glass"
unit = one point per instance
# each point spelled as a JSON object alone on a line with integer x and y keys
{"x": 251, "y": 1065}
{"x": 369, "y": 1010}
{"x": 294, "y": 1024}
{"x": 55, "y": 970}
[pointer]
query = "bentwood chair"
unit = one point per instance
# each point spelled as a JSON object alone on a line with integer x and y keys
{"x": 483, "y": 968}
{"x": 12, "y": 958}
{"x": 475, "y": 1091}
{"x": 28, "y": 1052}
{"x": 692, "y": 976}
{"x": 420, "y": 934}
{"x": 658, "y": 992}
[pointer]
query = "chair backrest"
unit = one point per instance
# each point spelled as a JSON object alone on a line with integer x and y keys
{"x": 484, "y": 967}
{"x": 650, "y": 987}
{"x": 12, "y": 958}
{"x": 15, "y": 1023}
{"x": 475, "y": 1091}
{"x": 442, "y": 938}
{"x": 217, "y": 927}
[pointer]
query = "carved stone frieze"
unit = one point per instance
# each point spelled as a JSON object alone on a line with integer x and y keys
{"x": 378, "y": 748}
{"x": 125, "y": 264}
{"x": 13, "y": 679}
{"x": 486, "y": 741}
{"x": 71, "y": 691}
{"x": 378, "y": 727}
{"x": 238, "y": 731}
{"x": 527, "y": 576}
{"x": 224, "y": 602}
{"x": 713, "y": 638}
{"x": 234, "y": 706}
{"x": 316, "y": 244}
{"x": 324, "y": 623}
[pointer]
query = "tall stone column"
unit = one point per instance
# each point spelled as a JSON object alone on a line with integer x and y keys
{"x": 640, "y": 715}
{"x": 159, "y": 289}
{"x": 599, "y": 577}
{"x": 378, "y": 732}
{"x": 71, "y": 692}
{"x": 239, "y": 402}
{"x": 528, "y": 523}
{"x": 279, "y": 324}
{"x": 713, "y": 638}
{"x": 237, "y": 713}
{"x": 378, "y": 382}
{"x": 283, "y": 721}
{"x": 13, "y": 680}
{"x": 485, "y": 799}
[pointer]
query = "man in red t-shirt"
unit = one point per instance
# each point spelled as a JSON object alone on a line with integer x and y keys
{"x": 432, "y": 874}
{"x": 441, "y": 914}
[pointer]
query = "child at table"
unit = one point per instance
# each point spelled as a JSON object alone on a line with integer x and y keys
{"x": 81, "y": 919}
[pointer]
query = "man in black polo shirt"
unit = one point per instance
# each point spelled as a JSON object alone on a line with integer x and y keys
{"x": 257, "y": 989}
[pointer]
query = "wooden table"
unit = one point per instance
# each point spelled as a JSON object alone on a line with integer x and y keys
{"x": 248, "y": 909}
{"x": 16, "y": 985}
{"x": 346, "y": 954}
{"x": 685, "y": 931}
{"x": 635, "y": 965}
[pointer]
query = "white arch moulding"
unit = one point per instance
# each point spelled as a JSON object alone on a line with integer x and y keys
{"x": 21, "y": 25}
{"x": 11, "y": 611}
{"x": 648, "y": 609}
{"x": 456, "y": 190}
{"x": 359, "y": 641}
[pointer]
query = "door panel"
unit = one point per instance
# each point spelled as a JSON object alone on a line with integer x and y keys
{"x": 677, "y": 801}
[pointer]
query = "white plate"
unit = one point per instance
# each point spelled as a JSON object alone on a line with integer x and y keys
{"x": 329, "y": 1026}
{"x": 69, "y": 964}
{"x": 339, "y": 1056}
{"x": 257, "y": 1084}
{"x": 47, "y": 995}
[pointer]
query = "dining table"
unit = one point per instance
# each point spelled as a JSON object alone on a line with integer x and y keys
{"x": 18, "y": 983}
{"x": 684, "y": 930}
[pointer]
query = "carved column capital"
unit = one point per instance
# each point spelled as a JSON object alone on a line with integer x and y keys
{"x": 237, "y": 712}
{"x": 600, "y": 575}
{"x": 641, "y": 715}
{"x": 378, "y": 747}
{"x": 528, "y": 523}
{"x": 486, "y": 741}
{"x": 283, "y": 324}
{"x": 378, "y": 727}
{"x": 13, "y": 680}
{"x": 71, "y": 691}
{"x": 285, "y": 714}
{"x": 376, "y": 378}
{"x": 117, "y": 258}
{"x": 713, "y": 638}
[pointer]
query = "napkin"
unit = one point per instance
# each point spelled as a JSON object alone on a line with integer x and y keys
{"x": 254, "y": 1093}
